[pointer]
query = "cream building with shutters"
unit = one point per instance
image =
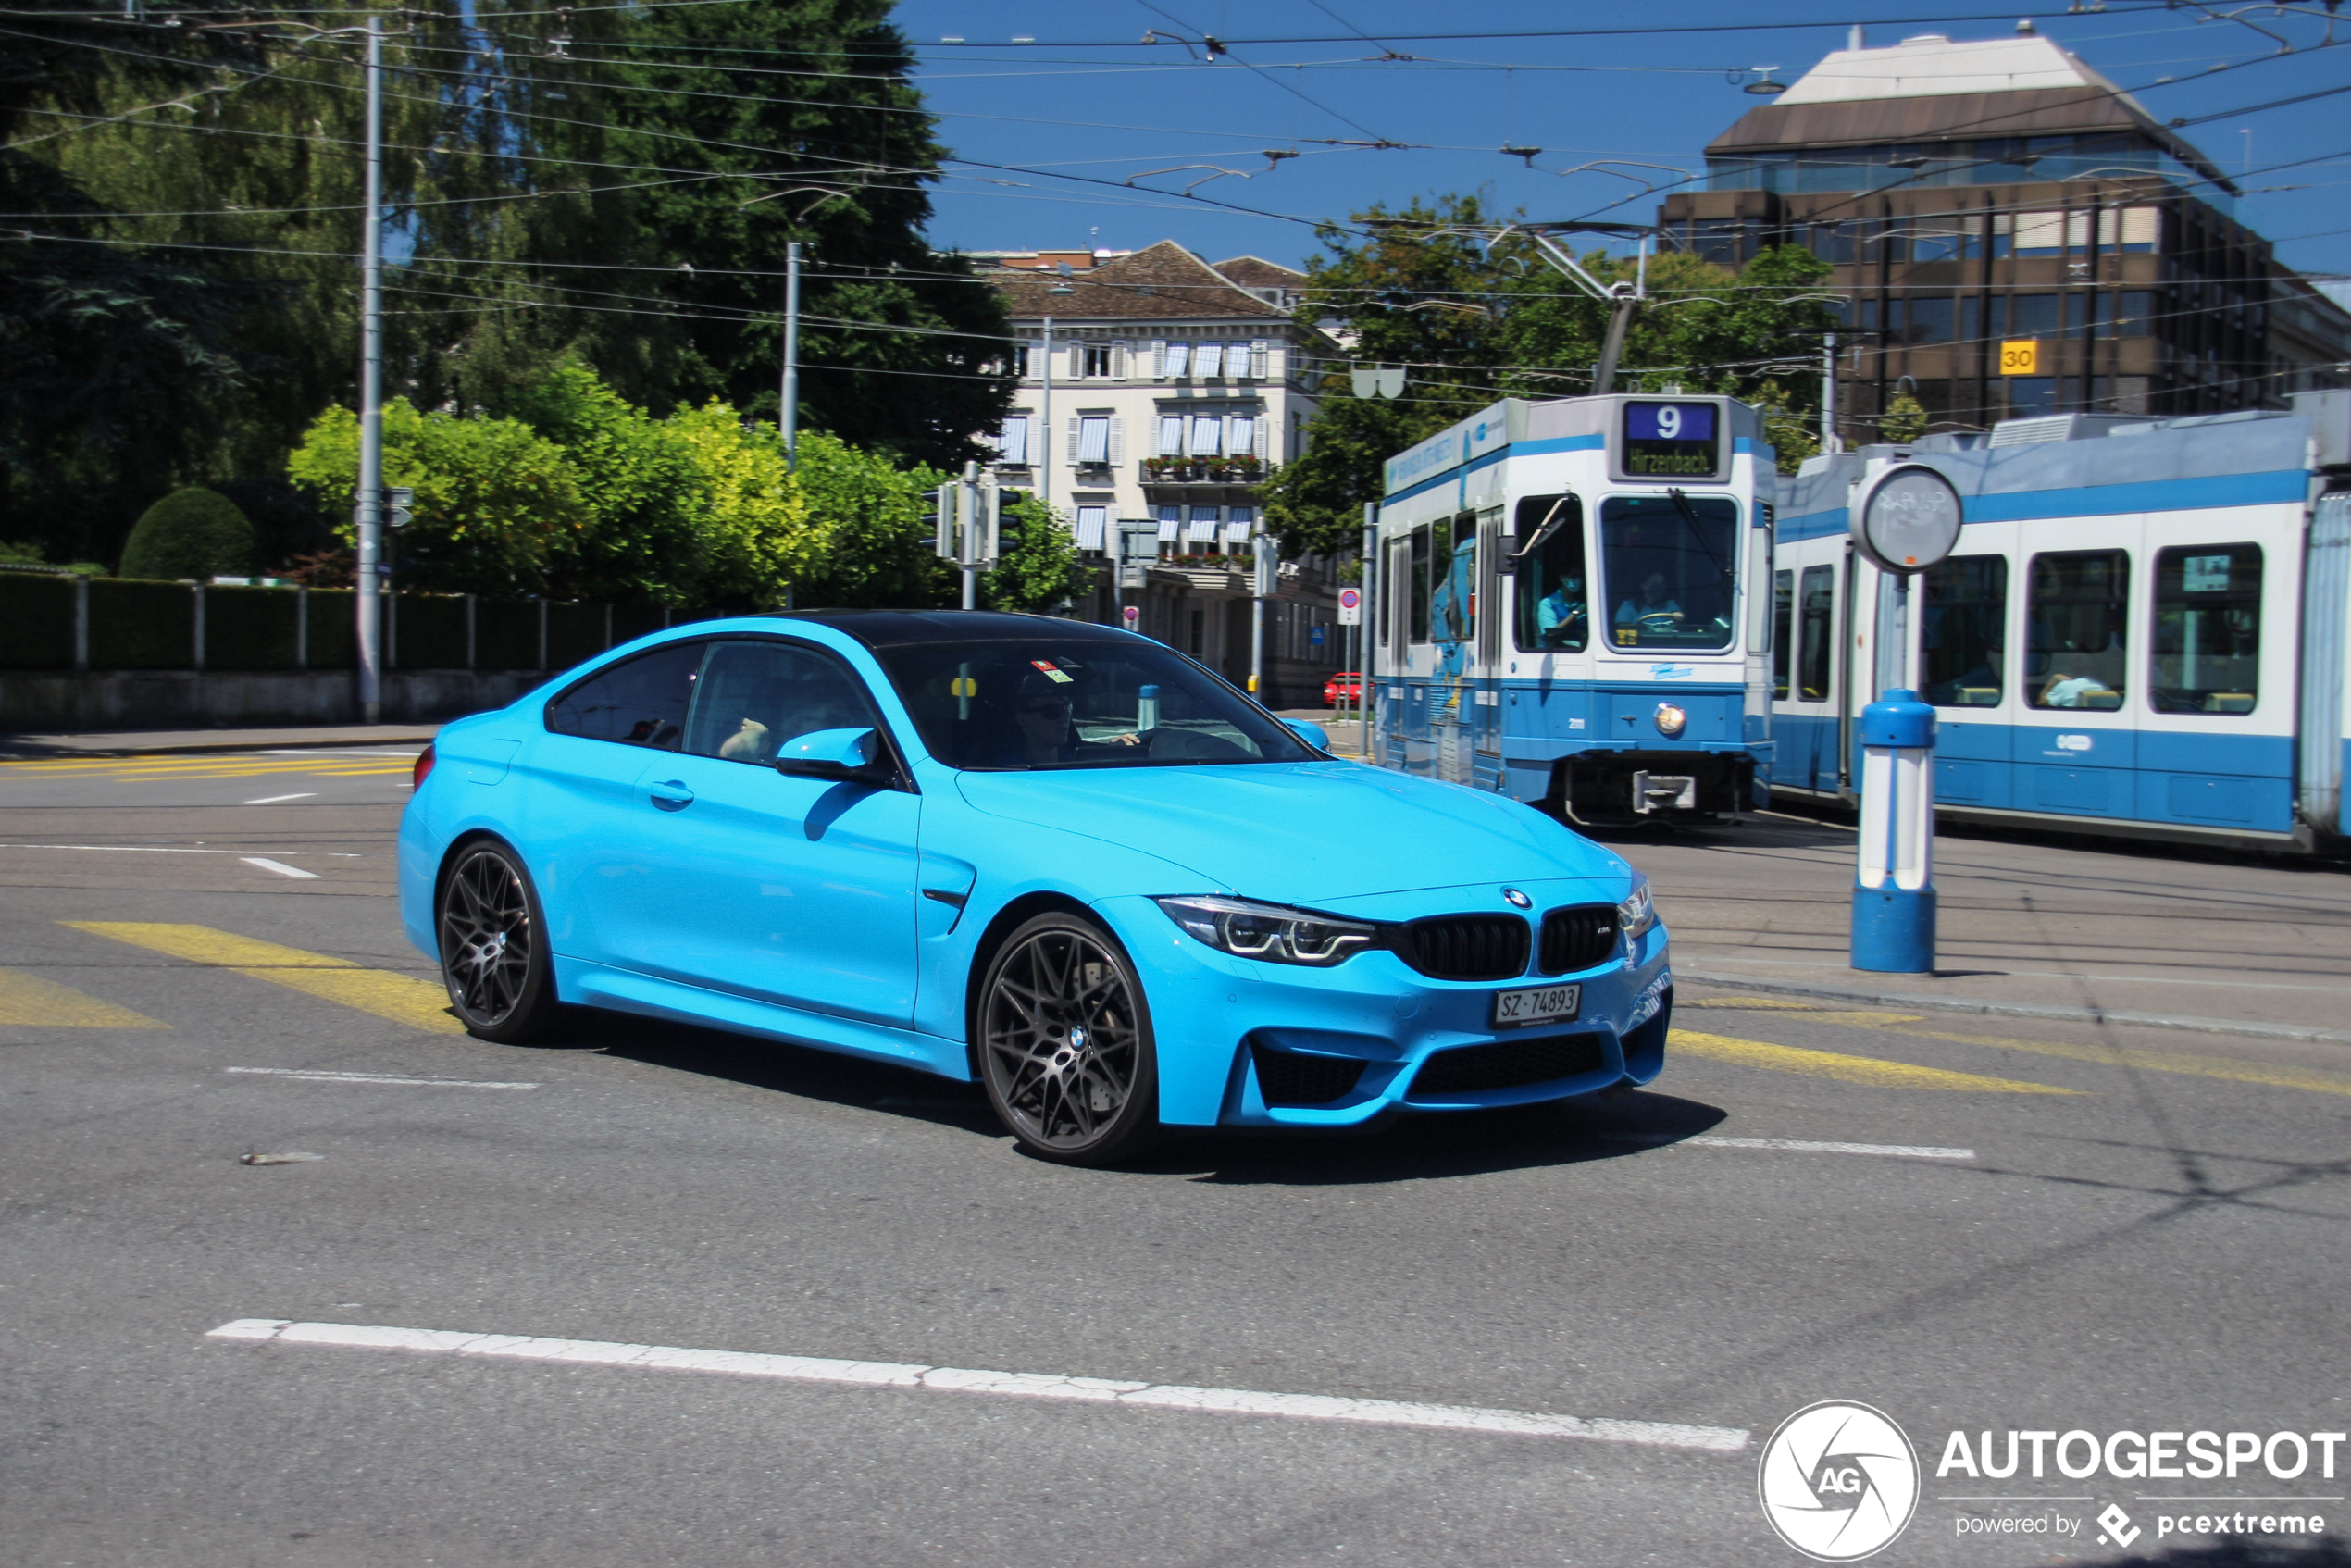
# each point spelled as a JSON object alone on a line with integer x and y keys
{"x": 1156, "y": 391}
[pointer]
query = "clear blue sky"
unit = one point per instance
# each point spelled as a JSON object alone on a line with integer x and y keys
{"x": 1084, "y": 100}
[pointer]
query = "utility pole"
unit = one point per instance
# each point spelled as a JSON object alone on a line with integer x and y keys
{"x": 973, "y": 523}
{"x": 1258, "y": 589}
{"x": 787, "y": 414}
{"x": 370, "y": 601}
{"x": 1828, "y": 393}
{"x": 1364, "y": 643}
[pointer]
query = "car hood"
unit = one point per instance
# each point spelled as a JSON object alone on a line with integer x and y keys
{"x": 1299, "y": 833}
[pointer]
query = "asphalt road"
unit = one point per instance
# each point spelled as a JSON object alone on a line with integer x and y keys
{"x": 1968, "y": 1224}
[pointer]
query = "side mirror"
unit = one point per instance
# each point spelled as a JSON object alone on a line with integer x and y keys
{"x": 849, "y": 755}
{"x": 1311, "y": 733}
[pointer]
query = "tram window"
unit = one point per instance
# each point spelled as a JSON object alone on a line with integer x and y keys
{"x": 2208, "y": 629}
{"x": 2076, "y": 629}
{"x": 1669, "y": 566}
{"x": 1814, "y": 660}
{"x": 1782, "y": 626}
{"x": 1453, "y": 579}
{"x": 1965, "y": 631}
{"x": 1421, "y": 547}
{"x": 1554, "y": 600}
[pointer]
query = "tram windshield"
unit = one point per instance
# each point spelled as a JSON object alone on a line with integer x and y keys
{"x": 1669, "y": 570}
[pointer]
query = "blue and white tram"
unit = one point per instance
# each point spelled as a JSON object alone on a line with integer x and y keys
{"x": 2141, "y": 631}
{"x": 1567, "y": 607}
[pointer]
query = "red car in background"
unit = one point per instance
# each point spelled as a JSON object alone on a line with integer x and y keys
{"x": 1346, "y": 687}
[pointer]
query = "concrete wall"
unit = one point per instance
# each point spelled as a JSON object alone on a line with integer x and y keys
{"x": 38, "y": 702}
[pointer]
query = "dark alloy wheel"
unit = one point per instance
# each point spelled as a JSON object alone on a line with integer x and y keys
{"x": 1065, "y": 1045}
{"x": 490, "y": 955}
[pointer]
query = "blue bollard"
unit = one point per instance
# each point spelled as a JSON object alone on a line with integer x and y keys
{"x": 1893, "y": 891}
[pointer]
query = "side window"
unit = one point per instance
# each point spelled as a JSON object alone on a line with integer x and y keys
{"x": 2077, "y": 629}
{"x": 1965, "y": 631}
{"x": 1421, "y": 551}
{"x": 757, "y": 694}
{"x": 640, "y": 702}
{"x": 1452, "y": 594}
{"x": 1783, "y": 631}
{"x": 1554, "y": 596}
{"x": 2208, "y": 629}
{"x": 1813, "y": 660}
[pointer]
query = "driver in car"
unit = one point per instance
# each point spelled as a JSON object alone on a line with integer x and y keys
{"x": 1043, "y": 733}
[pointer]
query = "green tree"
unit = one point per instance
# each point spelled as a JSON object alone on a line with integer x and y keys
{"x": 1040, "y": 571}
{"x": 1905, "y": 419}
{"x": 189, "y": 533}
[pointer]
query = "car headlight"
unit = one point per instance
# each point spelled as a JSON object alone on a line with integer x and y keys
{"x": 1637, "y": 915}
{"x": 1271, "y": 931}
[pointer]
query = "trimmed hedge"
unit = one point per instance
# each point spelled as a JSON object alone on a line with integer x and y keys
{"x": 189, "y": 533}
{"x": 36, "y": 621}
{"x": 432, "y": 632}
{"x": 142, "y": 625}
{"x": 250, "y": 628}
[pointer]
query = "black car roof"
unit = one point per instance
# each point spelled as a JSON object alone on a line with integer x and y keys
{"x": 891, "y": 629}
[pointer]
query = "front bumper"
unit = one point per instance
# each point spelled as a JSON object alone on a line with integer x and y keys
{"x": 1215, "y": 1018}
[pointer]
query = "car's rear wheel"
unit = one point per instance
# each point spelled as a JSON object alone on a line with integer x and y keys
{"x": 1065, "y": 1043}
{"x": 492, "y": 956}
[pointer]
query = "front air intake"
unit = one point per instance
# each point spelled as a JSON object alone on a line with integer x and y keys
{"x": 1507, "y": 1064}
{"x": 1289, "y": 1077}
{"x": 1580, "y": 937}
{"x": 1465, "y": 947}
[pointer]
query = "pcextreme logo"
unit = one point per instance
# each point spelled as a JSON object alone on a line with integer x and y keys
{"x": 1838, "y": 1481}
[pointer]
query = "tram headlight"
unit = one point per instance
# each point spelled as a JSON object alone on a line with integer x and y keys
{"x": 1671, "y": 719}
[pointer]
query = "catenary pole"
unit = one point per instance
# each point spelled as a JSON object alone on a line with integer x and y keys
{"x": 368, "y": 601}
{"x": 788, "y": 409}
{"x": 1045, "y": 424}
{"x": 1828, "y": 395}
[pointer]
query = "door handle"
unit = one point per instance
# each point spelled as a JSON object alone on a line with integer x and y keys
{"x": 671, "y": 794}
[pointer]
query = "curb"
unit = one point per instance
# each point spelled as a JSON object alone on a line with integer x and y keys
{"x": 2021, "y": 1009}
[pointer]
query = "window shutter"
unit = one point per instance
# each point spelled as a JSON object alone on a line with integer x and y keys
{"x": 1159, "y": 359}
{"x": 1073, "y": 441}
{"x": 1117, "y": 439}
{"x": 1262, "y": 438}
{"x": 1171, "y": 435}
{"x": 1179, "y": 361}
{"x": 1118, "y": 361}
{"x": 1211, "y": 360}
{"x": 1261, "y": 360}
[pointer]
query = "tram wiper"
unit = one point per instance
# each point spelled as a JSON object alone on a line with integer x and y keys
{"x": 1698, "y": 531}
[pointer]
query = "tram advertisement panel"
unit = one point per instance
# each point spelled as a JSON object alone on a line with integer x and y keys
{"x": 1671, "y": 440}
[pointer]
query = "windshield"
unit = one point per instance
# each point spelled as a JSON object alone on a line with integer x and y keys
{"x": 1043, "y": 702}
{"x": 1667, "y": 563}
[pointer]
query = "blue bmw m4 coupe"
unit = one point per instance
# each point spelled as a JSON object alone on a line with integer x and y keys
{"x": 1059, "y": 859}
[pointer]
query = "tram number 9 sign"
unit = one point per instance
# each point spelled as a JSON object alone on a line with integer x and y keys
{"x": 1671, "y": 441}
{"x": 1905, "y": 518}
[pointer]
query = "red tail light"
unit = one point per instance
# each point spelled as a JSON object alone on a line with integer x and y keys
{"x": 424, "y": 767}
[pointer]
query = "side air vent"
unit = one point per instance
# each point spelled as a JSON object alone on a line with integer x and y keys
{"x": 1287, "y": 1078}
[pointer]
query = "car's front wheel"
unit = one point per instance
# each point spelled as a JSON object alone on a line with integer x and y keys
{"x": 1065, "y": 1043}
{"x": 492, "y": 955}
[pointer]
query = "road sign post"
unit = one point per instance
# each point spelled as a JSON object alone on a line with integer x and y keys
{"x": 1905, "y": 518}
{"x": 1350, "y": 615}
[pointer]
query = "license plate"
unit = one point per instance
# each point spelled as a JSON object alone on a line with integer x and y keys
{"x": 1537, "y": 1004}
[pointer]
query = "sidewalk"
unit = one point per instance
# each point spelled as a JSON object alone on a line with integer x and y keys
{"x": 151, "y": 742}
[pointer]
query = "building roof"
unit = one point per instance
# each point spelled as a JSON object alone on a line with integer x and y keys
{"x": 1161, "y": 282}
{"x": 1930, "y": 88}
{"x": 1256, "y": 272}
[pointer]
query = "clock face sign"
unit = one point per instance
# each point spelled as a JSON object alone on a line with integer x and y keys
{"x": 1907, "y": 519}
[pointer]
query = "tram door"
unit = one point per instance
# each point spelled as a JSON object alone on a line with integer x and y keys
{"x": 1811, "y": 730}
{"x": 1453, "y": 707}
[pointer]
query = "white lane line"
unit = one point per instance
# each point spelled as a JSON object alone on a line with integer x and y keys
{"x": 951, "y": 1379}
{"x": 280, "y": 866}
{"x": 175, "y": 848}
{"x": 325, "y": 1075}
{"x": 274, "y": 800}
{"x": 1796, "y": 1145}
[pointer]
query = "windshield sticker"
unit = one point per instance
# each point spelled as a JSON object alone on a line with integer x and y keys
{"x": 1051, "y": 673}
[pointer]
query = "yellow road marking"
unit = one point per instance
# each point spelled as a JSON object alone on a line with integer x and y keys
{"x": 29, "y": 999}
{"x": 140, "y": 769}
{"x": 1867, "y": 1070}
{"x": 2316, "y": 1080}
{"x": 404, "y": 999}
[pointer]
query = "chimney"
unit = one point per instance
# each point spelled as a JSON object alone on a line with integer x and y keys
{"x": 1856, "y": 39}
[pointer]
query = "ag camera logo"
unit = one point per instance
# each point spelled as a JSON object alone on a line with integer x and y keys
{"x": 1838, "y": 1481}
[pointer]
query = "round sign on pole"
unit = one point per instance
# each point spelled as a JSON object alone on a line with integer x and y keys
{"x": 1351, "y": 606}
{"x": 1906, "y": 517}
{"x": 1133, "y": 612}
